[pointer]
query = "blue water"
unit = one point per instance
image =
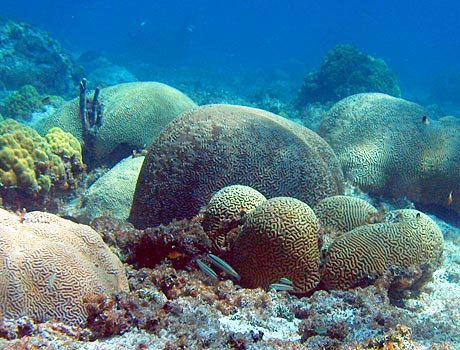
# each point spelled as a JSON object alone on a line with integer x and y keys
{"x": 419, "y": 40}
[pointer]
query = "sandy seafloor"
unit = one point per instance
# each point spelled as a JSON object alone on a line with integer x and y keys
{"x": 433, "y": 316}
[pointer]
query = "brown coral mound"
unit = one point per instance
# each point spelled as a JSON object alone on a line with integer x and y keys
{"x": 214, "y": 146}
{"x": 279, "y": 239}
{"x": 387, "y": 147}
{"x": 407, "y": 239}
{"x": 49, "y": 264}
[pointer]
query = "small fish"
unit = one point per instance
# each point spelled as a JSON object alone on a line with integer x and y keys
{"x": 281, "y": 287}
{"x": 174, "y": 255}
{"x": 224, "y": 266}
{"x": 449, "y": 198}
{"x": 206, "y": 269}
{"x": 46, "y": 100}
{"x": 285, "y": 280}
{"x": 425, "y": 120}
{"x": 51, "y": 280}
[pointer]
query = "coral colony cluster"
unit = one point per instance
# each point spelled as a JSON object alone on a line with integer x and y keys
{"x": 132, "y": 218}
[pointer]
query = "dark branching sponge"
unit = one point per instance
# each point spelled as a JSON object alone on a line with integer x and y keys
{"x": 344, "y": 213}
{"x": 214, "y": 146}
{"x": 407, "y": 238}
{"x": 226, "y": 210}
{"x": 279, "y": 239}
{"x": 391, "y": 147}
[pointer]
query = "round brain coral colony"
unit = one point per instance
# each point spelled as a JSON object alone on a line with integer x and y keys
{"x": 215, "y": 146}
{"x": 407, "y": 238}
{"x": 344, "y": 213}
{"x": 48, "y": 265}
{"x": 278, "y": 240}
{"x": 226, "y": 210}
{"x": 391, "y": 147}
{"x": 133, "y": 115}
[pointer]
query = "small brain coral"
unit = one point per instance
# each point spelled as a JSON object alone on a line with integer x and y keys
{"x": 387, "y": 147}
{"x": 214, "y": 146}
{"x": 407, "y": 238}
{"x": 134, "y": 114}
{"x": 49, "y": 264}
{"x": 226, "y": 210}
{"x": 279, "y": 239}
{"x": 346, "y": 71}
{"x": 344, "y": 213}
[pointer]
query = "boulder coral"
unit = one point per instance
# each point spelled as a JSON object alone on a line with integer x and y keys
{"x": 407, "y": 238}
{"x": 214, "y": 146}
{"x": 278, "y": 240}
{"x": 134, "y": 114}
{"x": 227, "y": 209}
{"x": 391, "y": 147}
{"x": 48, "y": 265}
{"x": 30, "y": 164}
{"x": 22, "y": 103}
{"x": 346, "y": 71}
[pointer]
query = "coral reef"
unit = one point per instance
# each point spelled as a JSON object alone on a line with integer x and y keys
{"x": 134, "y": 114}
{"x": 49, "y": 264}
{"x": 227, "y": 209}
{"x": 30, "y": 56}
{"x": 111, "y": 194}
{"x": 407, "y": 238}
{"x": 214, "y": 146}
{"x": 391, "y": 147}
{"x": 22, "y": 103}
{"x": 31, "y": 166}
{"x": 346, "y": 71}
{"x": 278, "y": 240}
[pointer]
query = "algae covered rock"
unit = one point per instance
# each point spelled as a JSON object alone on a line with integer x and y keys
{"x": 49, "y": 265}
{"x": 134, "y": 114}
{"x": 28, "y": 55}
{"x": 215, "y": 146}
{"x": 346, "y": 71}
{"x": 392, "y": 147}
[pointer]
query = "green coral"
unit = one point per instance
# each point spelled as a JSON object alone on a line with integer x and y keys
{"x": 29, "y": 163}
{"x": 64, "y": 144}
{"x": 22, "y": 103}
{"x": 346, "y": 71}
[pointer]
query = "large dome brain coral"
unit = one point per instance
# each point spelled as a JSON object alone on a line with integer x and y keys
{"x": 214, "y": 146}
{"x": 386, "y": 148}
{"x": 134, "y": 114}
{"x": 279, "y": 239}
{"x": 48, "y": 265}
{"x": 226, "y": 210}
{"x": 407, "y": 238}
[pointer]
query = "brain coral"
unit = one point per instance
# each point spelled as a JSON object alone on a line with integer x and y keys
{"x": 26, "y": 160}
{"x": 226, "y": 210}
{"x": 111, "y": 194}
{"x": 134, "y": 114}
{"x": 408, "y": 238}
{"x": 386, "y": 149}
{"x": 48, "y": 265}
{"x": 214, "y": 146}
{"x": 279, "y": 239}
{"x": 343, "y": 213}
